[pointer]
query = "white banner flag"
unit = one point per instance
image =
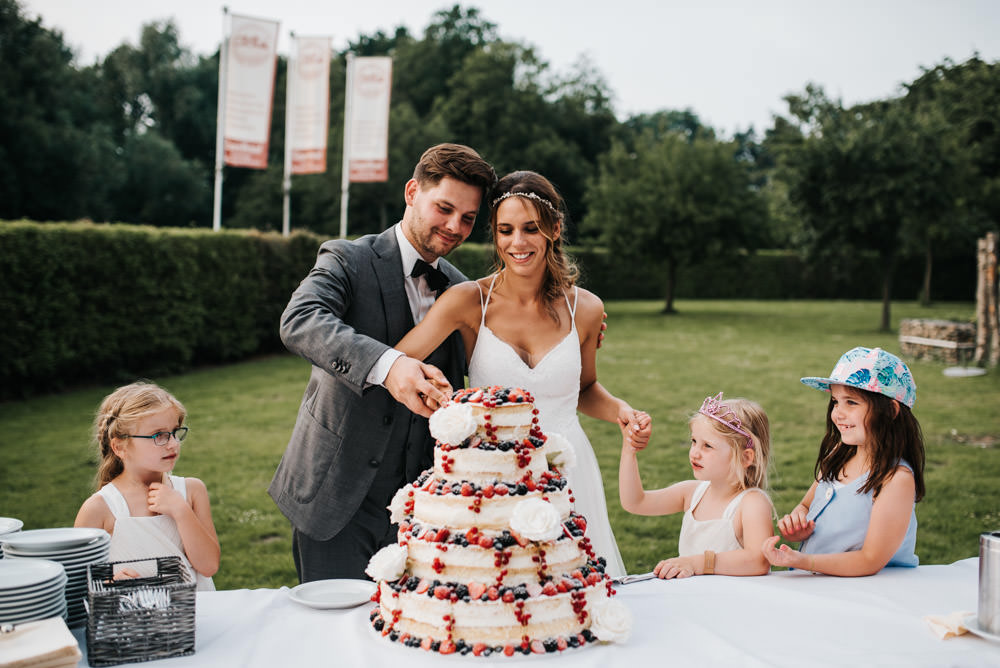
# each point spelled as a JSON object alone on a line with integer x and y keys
{"x": 368, "y": 135}
{"x": 309, "y": 106}
{"x": 250, "y": 68}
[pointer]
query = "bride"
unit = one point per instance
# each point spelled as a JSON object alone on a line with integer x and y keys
{"x": 528, "y": 325}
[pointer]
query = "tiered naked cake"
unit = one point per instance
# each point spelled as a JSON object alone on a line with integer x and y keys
{"x": 490, "y": 556}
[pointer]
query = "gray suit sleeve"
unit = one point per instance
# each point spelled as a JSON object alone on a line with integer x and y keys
{"x": 315, "y": 323}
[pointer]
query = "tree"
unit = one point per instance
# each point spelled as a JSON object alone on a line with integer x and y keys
{"x": 955, "y": 110}
{"x": 673, "y": 200}
{"x": 54, "y": 154}
{"x": 853, "y": 175}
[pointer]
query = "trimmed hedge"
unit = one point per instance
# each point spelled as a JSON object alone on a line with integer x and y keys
{"x": 84, "y": 302}
{"x": 109, "y": 303}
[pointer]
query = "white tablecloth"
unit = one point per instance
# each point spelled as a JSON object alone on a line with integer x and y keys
{"x": 783, "y": 619}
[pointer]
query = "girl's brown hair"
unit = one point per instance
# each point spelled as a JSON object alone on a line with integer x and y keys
{"x": 894, "y": 436}
{"x": 118, "y": 416}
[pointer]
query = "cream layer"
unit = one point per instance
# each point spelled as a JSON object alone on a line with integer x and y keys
{"x": 478, "y": 564}
{"x": 483, "y": 467}
{"x": 455, "y": 511}
{"x": 492, "y": 622}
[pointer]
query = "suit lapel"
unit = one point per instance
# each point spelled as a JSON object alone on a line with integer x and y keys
{"x": 389, "y": 272}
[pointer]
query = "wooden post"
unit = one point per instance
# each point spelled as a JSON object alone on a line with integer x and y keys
{"x": 988, "y": 324}
{"x": 992, "y": 312}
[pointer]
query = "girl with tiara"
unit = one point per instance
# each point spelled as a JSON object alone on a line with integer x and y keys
{"x": 727, "y": 513}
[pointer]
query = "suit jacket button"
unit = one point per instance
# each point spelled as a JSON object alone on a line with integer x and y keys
{"x": 386, "y": 419}
{"x": 373, "y": 463}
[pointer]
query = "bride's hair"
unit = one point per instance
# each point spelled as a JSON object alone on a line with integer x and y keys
{"x": 537, "y": 191}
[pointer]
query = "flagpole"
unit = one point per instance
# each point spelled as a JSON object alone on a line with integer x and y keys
{"x": 286, "y": 183}
{"x": 220, "y": 123}
{"x": 345, "y": 172}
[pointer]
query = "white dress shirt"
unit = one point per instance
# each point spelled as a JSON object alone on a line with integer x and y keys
{"x": 418, "y": 294}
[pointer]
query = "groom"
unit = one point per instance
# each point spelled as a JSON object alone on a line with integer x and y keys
{"x": 361, "y": 431}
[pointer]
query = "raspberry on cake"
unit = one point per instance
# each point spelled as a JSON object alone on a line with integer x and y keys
{"x": 490, "y": 557}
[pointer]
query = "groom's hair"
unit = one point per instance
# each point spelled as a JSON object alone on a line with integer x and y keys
{"x": 457, "y": 161}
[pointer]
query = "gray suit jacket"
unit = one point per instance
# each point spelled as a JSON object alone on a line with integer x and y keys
{"x": 349, "y": 310}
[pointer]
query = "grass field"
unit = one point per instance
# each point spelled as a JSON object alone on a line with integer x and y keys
{"x": 241, "y": 416}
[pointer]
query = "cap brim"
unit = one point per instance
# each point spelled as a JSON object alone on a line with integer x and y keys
{"x": 818, "y": 383}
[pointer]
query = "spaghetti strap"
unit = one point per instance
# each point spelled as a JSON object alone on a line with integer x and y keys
{"x": 572, "y": 307}
{"x": 483, "y": 304}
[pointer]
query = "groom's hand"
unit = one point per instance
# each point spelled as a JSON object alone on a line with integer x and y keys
{"x": 418, "y": 386}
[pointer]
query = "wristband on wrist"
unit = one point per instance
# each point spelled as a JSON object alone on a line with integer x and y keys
{"x": 709, "y": 563}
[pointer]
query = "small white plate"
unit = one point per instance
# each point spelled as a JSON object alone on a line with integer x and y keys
{"x": 46, "y": 540}
{"x": 22, "y": 573}
{"x": 329, "y": 594}
{"x": 10, "y": 525}
{"x": 972, "y": 623}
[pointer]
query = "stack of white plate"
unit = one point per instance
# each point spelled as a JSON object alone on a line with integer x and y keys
{"x": 73, "y": 547}
{"x": 8, "y": 525}
{"x": 31, "y": 589}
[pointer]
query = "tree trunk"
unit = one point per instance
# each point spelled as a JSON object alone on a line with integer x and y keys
{"x": 671, "y": 283}
{"x": 925, "y": 293}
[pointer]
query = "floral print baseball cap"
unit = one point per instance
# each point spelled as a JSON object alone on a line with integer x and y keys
{"x": 871, "y": 369}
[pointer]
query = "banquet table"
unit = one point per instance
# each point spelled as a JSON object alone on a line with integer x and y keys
{"x": 788, "y": 618}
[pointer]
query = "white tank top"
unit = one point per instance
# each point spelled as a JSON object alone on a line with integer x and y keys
{"x": 147, "y": 537}
{"x": 717, "y": 535}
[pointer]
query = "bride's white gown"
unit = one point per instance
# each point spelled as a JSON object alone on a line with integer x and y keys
{"x": 555, "y": 383}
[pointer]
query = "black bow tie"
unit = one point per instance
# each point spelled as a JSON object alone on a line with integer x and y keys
{"x": 436, "y": 279}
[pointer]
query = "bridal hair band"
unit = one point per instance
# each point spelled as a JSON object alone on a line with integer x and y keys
{"x": 533, "y": 196}
{"x": 714, "y": 408}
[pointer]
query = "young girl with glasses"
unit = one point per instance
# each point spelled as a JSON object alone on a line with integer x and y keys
{"x": 149, "y": 512}
{"x": 727, "y": 513}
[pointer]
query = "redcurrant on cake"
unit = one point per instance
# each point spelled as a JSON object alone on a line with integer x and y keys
{"x": 490, "y": 557}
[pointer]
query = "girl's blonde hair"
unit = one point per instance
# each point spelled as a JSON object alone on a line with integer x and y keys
{"x": 754, "y": 420}
{"x": 118, "y": 416}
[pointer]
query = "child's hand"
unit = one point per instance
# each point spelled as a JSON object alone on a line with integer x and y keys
{"x": 794, "y": 526}
{"x": 783, "y": 556}
{"x": 678, "y": 567}
{"x": 125, "y": 574}
{"x": 636, "y": 428}
{"x": 165, "y": 500}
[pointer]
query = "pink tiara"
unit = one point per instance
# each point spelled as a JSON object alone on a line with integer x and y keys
{"x": 714, "y": 408}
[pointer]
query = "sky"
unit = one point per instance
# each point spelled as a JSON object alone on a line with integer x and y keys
{"x": 731, "y": 62}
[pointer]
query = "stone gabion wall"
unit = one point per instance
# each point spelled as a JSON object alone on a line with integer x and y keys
{"x": 941, "y": 340}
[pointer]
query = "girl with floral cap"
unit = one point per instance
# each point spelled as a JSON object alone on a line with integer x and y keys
{"x": 858, "y": 515}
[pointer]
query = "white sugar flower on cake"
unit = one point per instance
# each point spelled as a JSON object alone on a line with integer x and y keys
{"x": 611, "y": 621}
{"x": 397, "y": 507}
{"x": 452, "y": 423}
{"x": 560, "y": 451}
{"x": 388, "y": 563}
{"x": 536, "y": 519}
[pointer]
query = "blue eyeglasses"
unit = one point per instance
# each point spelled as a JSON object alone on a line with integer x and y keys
{"x": 161, "y": 438}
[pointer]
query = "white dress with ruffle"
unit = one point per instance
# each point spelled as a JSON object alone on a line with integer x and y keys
{"x": 555, "y": 384}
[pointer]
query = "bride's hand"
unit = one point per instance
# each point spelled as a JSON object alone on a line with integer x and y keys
{"x": 636, "y": 427}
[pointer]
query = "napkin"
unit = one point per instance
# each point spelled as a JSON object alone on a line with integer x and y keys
{"x": 46, "y": 643}
{"x": 947, "y": 626}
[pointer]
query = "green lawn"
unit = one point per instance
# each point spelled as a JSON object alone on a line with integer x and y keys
{"x": 241, "y": 415}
